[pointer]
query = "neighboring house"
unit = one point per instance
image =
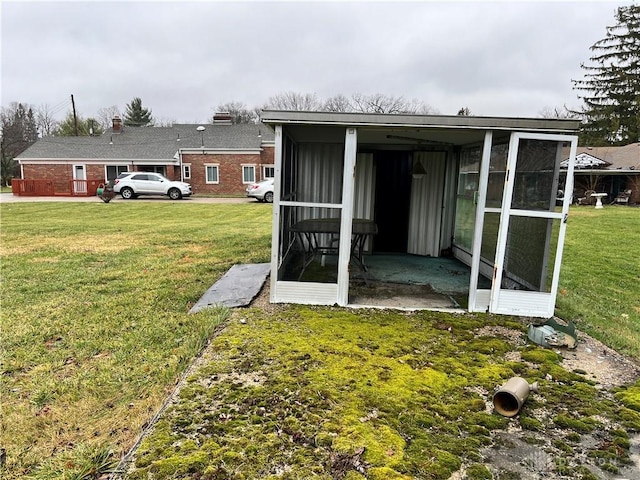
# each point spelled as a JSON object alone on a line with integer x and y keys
{"x": 610, "y": 170}
{"x": 352, "y": 188}
{"x": 220, "y": 159}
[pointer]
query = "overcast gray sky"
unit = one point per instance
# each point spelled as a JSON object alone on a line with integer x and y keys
{"x": 185, "y": 58}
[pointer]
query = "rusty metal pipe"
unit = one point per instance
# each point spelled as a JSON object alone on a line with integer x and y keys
{"x": 508, "y": 400}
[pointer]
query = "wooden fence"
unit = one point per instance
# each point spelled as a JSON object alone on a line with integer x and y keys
{"x": 49, "y": 188}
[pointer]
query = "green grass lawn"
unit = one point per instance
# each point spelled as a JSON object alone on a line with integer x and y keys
{"x": 95, "y": 333}
{"x": 600, "y": 276}
{"x": 95, "y": 329}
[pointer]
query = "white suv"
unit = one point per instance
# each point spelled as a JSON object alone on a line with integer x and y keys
{"x": 132, "y": 184}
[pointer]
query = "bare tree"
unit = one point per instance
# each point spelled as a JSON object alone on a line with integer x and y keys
{"x": 164, "y": 122}
{"x": 358, "y": 103}
{"x": 381, "y": 103}
{"x": 239, "y": 112}
{"x": 556, "y": 112}
{"x": 294, "y": 101}
{"x": 106, "y": 116}
{"x": 45, "y": 122}
{"x": 338, "y": 103}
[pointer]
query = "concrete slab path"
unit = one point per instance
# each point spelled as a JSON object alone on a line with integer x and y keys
{"x": 237, "y": 288}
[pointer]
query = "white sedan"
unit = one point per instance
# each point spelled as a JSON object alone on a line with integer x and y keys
{"x": 261, "y": 191}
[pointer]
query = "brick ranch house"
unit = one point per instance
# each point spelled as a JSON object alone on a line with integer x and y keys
{"x": 220, "y": 159}
{"x": 612, "y": 170}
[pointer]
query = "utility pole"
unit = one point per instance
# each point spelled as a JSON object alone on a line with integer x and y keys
{"x": 75, "y": 118}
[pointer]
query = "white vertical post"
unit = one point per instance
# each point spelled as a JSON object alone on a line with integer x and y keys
{"x": 348, "y": 182}
{"x": 568, "y": 195}
{"x": 483, "y": 181}
{"x": 505, "y": 216}
{"x": 275, "y": 225}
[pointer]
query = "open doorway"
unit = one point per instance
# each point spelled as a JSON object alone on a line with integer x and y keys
{"x": 405, "y": 267}
{"x": 392, "y": 200}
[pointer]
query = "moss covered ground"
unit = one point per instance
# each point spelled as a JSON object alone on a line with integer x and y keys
{"x": 339, "y": 394}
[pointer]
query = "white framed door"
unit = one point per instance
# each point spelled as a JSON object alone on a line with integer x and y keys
{"x": 79, "y": 179}
{"x": 531, "y": 231}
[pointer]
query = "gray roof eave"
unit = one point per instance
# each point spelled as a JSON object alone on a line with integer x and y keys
{"x": 605, "y": 171}
{"x": 168, "y": 161}
{"x": 419, "y": 121}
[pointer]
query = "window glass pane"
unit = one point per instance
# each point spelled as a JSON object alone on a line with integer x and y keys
{"x": 491, "y": 223}
{"x": 212, "y": 173}
{"x": 248, "y": 174}
{"x": 497, "y": 171}
{"x": 269, "y": 172}
{"x": 468, "y": 179}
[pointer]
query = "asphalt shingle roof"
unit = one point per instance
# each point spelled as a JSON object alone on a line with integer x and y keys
{"x": 626, "y": 157}
{"x": 149, "y": 142}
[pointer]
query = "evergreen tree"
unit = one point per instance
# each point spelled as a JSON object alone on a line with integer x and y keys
{"x": 19, "y": 131}
{"x": 610, "y": 89}
{"x": 137, "y": 116}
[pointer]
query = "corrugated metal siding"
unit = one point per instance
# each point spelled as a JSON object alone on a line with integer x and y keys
{"x": 365, "y": 186}
{"x": 365, "y": 189}
{"x": 306, "y": 293}
{"x": 425, "y": 216}
{"x": 320, "y": 168}
{"x": 531, "y": 304}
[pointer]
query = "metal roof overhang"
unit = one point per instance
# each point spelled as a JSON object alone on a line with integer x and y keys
{"x": 407, "y": 131}
{"x": 420, "y": 121}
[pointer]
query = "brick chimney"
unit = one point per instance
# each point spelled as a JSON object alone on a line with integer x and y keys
{"x": 117, "y": 124}
{"x": 222, "y": 117}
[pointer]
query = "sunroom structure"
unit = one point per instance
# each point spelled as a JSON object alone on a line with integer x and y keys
{"x": 357, "y": 191}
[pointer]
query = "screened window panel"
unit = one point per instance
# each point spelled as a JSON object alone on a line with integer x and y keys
{"x": 308, "y": 247}
{"x": 526, "y": 265}
{"x": 533, "y": 188}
